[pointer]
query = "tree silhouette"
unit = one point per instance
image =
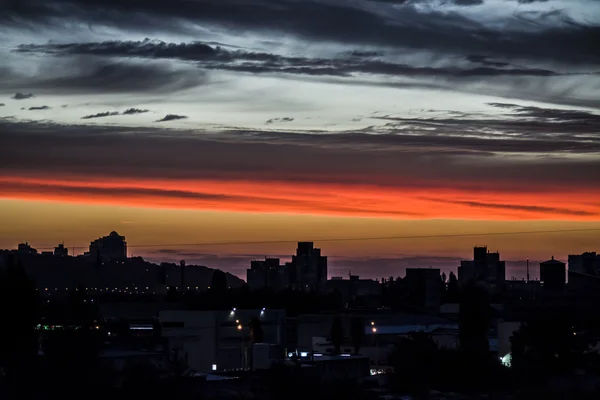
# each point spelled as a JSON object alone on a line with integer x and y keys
{"x": 453, "y": 289}
{"x": 414, "y": 358}
{"x": 357, "y": 333}
{"x": 548, "y": 345}
{"x": 19, "y": 306}
{"x": 256, "y": 331}
{"x": 72, "y": 353}
{"x": 218, "y": 283}
{"x": 474, "y": 321}
{"x": 337, "y": 335}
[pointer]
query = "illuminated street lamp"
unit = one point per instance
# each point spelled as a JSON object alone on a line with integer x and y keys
{"x": 374, "y": 330}
{"x": 239, "y": 328}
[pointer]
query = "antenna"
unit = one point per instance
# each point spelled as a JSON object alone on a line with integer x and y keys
{"x": 527, "y": 269}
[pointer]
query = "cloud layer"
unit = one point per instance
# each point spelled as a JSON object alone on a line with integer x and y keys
{"x": 468, "y": 109}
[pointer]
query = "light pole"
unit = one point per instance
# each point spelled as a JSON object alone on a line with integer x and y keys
{"x": 239, "y": 328}
{"x": 374, "y": 330}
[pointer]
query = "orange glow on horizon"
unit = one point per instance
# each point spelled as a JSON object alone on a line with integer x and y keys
{"x": 353, "y": 200}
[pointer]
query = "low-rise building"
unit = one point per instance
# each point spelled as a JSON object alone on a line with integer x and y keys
{"x": 208, "y": 341}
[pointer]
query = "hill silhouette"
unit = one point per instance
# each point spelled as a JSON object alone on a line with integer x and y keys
{"x": 67, "y": 272}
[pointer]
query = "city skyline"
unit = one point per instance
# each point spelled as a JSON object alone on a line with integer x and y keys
{"x": 373, "y": 267}
{"x": 237, "y": 121}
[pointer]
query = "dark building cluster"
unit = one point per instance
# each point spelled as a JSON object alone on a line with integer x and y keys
{"x": 306, "y": 271}
{"x": 192, "y": 321}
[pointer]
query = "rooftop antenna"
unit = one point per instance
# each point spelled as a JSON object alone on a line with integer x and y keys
{"x": 527, "y": 269}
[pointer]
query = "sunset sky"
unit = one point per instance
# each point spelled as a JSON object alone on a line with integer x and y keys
{"x": 210, "y": 121}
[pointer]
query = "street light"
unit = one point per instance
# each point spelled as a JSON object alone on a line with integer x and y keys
{"x": 239, "y": 328}
{"x": 372, "y": 323}
{"x": 374, "y": 330}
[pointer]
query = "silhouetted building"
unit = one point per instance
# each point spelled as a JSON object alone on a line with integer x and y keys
{"x": 553, "y": 274}
{"x": 586, "y": 263}
{"x": 26, "y": 248}
{"x": 486, "y": 267}
{"x": 584, "y": 272}
{"x": 110, "y": 248}
{"x": 424, "y": 287}
{"x": 308, "y": 268}
{"x": 267, "y": 273}
{"x": 354, "y": 287}
{"x": 61, "y": 251}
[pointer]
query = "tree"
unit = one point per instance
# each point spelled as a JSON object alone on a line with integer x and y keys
{"x": 256, "y": 331}
{"x": 414, "y": 360}
{"x": 218, "y": 283}
{"x": 337, "y": 335}
{"x": 548, "y": 345}
{"x": 474, "y": 320}
{"x": 357, "y": 333}
{"x": 453, "y": 289}
{"x": 19, "y": 306}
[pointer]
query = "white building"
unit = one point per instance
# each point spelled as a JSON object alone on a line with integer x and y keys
{"x": 207, "y": 341}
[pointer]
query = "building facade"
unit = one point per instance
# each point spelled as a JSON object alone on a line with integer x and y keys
{"x": 486, "y": 267}
{"x": 553, "y": 274}
{"x": 308, "y": 268}
{"x": 424, "y": 286}
{"x": 208, "y": 341}
{"x": 109, "y": 248}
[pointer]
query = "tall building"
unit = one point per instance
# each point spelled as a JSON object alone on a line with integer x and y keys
{"x": 309, "y": 268}
{"x": 587, "y": 263}
{"x": 111, "y": 247}
{"x": 26, "y": 248}
{"x": 553, "y": 274}
{"x": 486, "y": 267}
{"x": 61, "y": 251}
{"x": 267, "y": 273}
{"x": 424, "y": 286}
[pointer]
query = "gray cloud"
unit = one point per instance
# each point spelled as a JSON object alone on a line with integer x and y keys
{"x": 245, "y": 61}
{"x": 89, "y": 74}
{"x": 443, "y": 159}
{"x": 2, "y": 104}
{"x": 275, "y": 120}
{"x": 22, "y": 96}
{"x": 171, "y": 117}
{"x": 39, "y": 108}
{"x": 131, "y": 111}
{"x": 405, "y": 26}
{"x": 101, "y": 115}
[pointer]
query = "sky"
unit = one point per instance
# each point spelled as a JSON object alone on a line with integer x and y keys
{"x": 211, "y": 121}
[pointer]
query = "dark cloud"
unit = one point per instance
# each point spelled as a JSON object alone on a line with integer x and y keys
{"x": 553, "y": 114}
{"x": 89, "y": 74}
{"x": 486, "y": 61}
{"x": 101, "y": 115}
{"x": 519, "y": 207}
{"x": 253, "y": 62}
{"x": 39, "y": 108}
{"x": 131, "y": 111}
{"x": 275, "y": 120}
{"x": 171, "y": 117}
{"x": 22, "y": 96}
{"x": 405, "y": 26}
{"x": 442, "y": 158}
{"x": 528, "y": 128}
{"x": 2, "y": 104}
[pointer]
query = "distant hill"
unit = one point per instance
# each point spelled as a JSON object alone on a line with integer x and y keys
{"x": 66, "y": 272}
